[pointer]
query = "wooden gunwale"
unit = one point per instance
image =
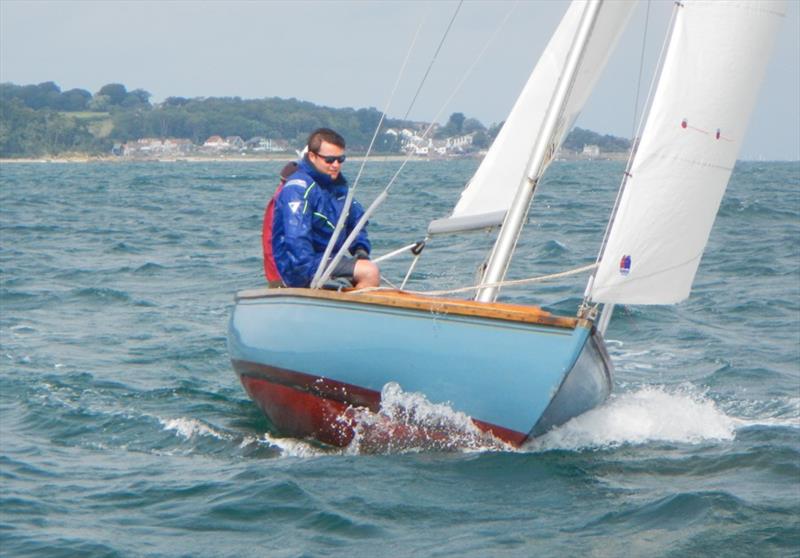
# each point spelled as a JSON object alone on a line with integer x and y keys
{"x": 435, "y": 305}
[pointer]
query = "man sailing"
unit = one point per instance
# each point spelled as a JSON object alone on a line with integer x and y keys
{"x": 300, "y": 219}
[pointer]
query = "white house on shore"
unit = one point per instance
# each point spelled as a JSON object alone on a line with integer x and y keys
{"x": 417, "y": 145}
{"x": 215, "y": 143}
{"x": 148, "y": 147}
{"x": 591, "y": 151}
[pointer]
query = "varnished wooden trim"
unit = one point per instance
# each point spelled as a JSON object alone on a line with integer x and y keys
{"x": 429, "y": 304}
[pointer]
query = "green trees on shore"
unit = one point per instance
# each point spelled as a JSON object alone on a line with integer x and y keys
{"x": 579, "y": 137}
{"x": 27, "y": 132}
{"x": 41, "y": 120}
{"x": 37, "y": 120}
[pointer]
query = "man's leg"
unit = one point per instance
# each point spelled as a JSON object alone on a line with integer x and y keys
{"x": 366, "y": 274}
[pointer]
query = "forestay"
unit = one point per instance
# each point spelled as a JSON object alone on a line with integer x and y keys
{"x": 490, "y": 192}
{"x": 714, "y": 65}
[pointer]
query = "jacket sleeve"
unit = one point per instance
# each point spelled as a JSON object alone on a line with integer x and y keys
{"x": 362, "y": 240}
{"x": 300, "y": 262}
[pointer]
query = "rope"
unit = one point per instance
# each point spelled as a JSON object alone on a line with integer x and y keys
{"x": 529, "y": 280}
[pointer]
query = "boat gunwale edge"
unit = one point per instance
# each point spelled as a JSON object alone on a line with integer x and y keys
{"x": 428, "y": 304}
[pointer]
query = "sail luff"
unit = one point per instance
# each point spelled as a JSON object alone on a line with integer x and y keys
{"x": 715, "y": 61}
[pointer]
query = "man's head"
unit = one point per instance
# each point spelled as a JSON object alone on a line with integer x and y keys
{"x": 326, "y": 151}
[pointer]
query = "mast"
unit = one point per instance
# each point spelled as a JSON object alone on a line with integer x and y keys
{"x": 543, "y": 151}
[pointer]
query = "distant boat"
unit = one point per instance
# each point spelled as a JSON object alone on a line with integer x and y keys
{"x": 518, "y": 371}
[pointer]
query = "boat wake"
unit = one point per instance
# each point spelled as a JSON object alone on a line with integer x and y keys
{"x": 192, "y": 429}
{"x": 651, "y": 414}
{"x": 408, "y": 423}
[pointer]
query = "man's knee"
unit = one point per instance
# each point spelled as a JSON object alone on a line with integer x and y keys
{"x": 367, "y": 274}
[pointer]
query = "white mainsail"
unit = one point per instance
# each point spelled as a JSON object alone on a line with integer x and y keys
{"x": 490, "y": 192}
{"x": 714, "y": 65}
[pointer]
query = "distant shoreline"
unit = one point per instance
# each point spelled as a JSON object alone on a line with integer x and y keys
{"x": 284, "y": 157}
{"x": 278, "y": 157}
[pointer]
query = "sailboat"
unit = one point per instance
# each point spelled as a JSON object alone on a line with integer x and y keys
{"x": 518, "y": 371}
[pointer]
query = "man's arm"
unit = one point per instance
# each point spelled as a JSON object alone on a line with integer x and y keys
{"x": 300, "y": 261}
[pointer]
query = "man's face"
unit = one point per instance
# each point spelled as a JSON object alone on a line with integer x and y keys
{"x": 329, "y": 151}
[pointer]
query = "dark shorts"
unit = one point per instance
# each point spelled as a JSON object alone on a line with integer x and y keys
{"x": 345, "y": 269}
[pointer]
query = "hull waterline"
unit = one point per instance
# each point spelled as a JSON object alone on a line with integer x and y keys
{"x": 311, "y": 359}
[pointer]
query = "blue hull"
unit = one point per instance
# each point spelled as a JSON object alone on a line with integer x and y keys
{"x": 521, "y": 376}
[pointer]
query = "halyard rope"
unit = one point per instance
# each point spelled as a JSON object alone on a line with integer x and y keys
{"x": 506, "y": 283}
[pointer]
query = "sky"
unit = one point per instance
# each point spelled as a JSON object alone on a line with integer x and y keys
{"x": 348, "y": 53}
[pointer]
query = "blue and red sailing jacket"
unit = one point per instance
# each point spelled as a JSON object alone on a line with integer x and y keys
{"x": 299, "y": 221}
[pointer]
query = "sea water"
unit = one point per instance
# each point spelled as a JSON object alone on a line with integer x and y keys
{"x": 124, "y": 431}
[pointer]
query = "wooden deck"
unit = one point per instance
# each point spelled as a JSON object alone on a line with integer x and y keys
{"x": 434, "y": 305}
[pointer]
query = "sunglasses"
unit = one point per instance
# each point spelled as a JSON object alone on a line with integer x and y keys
{"x": 330, "y": 159}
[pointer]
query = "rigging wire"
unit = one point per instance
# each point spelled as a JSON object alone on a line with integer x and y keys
{"x": 641, "y": 69}
{"x": 635, "y": 145}
{"x": 351, "y": 191}
{"x": 433, "y": 60}
{"x": 383, "y": 195}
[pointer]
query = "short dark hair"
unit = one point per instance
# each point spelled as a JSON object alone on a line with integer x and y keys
{"x": 324, "y": 134}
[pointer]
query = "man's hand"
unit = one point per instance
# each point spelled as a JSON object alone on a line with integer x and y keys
{"x": 361, "y": 254}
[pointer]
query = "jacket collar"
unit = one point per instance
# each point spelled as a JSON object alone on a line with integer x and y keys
{"x": 320, "y": 178}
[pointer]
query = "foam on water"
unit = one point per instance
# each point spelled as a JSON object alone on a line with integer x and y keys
{"x": 189, "y": 428}
{"x": 648, "y": 414}
{"x": 409, "y": 422}
{"x": 779, "y": 413}
{"x": 290, "y": 447}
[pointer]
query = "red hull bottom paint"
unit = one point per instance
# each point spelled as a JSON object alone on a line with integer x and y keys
{"x": 299, "y": 414}
{"x": 304, "y": 406}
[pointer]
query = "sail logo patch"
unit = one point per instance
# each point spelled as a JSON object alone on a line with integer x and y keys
{"x": 625, "y": 265}
{"x": 294, "y": 206}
